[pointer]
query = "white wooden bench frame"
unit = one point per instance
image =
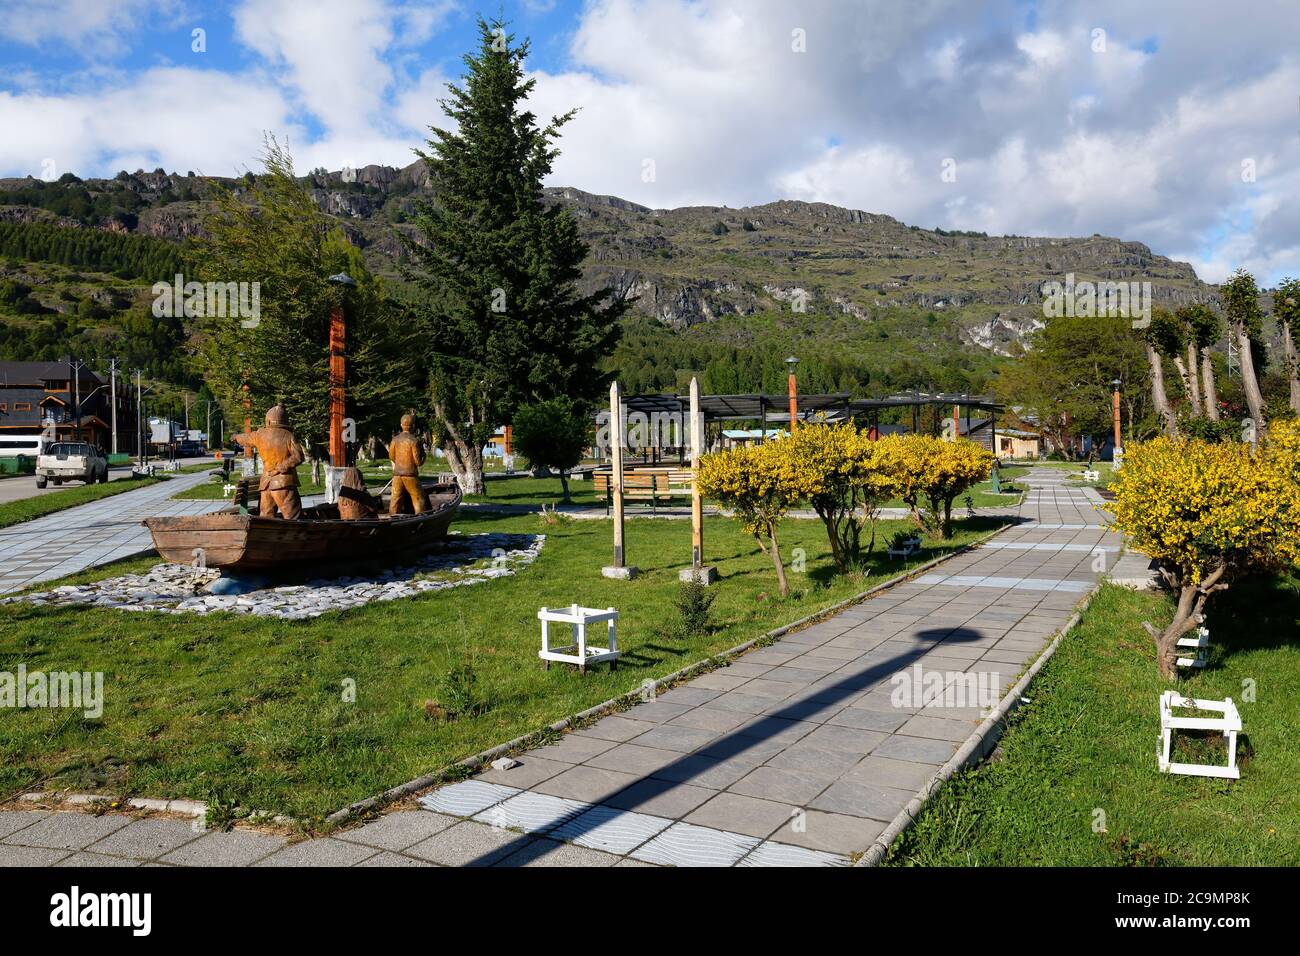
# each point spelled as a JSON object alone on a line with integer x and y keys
{"x": 911, "y": 546}
{"x": 1091, "y": 474}
{"x": 1229, "y": 725}
{"x": 579, "y": 652}
{"x": 1201, "y": 642}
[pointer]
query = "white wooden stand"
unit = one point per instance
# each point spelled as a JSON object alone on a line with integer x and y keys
{"x": 910, "y": 547}
{"x": 1201, "y": 642}
{"x": 1229, "y": 725}
{"x": 579, "y": 652}
{"x": 1091, "y": 474}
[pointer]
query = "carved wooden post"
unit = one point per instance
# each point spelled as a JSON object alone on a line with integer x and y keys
{"x": 619, "y": 568}
{"x": 697, "y": 571}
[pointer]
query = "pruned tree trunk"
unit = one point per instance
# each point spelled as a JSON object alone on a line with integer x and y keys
{"x": 1193, "y": 379}
{"x": 783, "y": 586}
{"x": 1211, "y": 393}
{"x": 1187, "y": 613}
{"x": 463, "y": 455}
{"x": 1158, "y": 396}
{"x": 467, "y": 464}
{"x": 1249, "y": 381}
{"x": 1292, "y": 367}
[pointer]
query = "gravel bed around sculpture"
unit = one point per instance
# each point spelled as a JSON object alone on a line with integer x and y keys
{"x": 458, "y": 560}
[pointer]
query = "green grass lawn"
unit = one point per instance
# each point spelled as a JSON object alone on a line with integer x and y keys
{"x": 1087, "y": 742}
{"x": 26, "y": 509}
{"x": 251, "y": 710}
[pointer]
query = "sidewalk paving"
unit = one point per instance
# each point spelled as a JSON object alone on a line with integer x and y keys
{"x": 97, "y": 532}
{"x": 793, "y": 755}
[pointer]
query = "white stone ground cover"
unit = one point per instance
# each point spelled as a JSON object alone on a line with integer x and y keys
{"x": 458, "y": 560}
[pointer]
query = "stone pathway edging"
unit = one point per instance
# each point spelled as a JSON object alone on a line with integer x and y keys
{"x": 612, "y": 704}
{"x": 973, "y": 750}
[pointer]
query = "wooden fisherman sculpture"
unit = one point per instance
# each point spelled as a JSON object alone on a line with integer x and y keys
{"x": 407, "y": 455}
{"x": 355, "y": 503}
{"x": 281, "y": 455}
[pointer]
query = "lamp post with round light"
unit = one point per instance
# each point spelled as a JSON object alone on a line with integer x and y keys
{"x": 790, "y": 364}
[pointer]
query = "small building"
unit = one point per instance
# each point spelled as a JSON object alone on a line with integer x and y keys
{"x": 1017, "y": 443}
{"x": 40, "y": 396}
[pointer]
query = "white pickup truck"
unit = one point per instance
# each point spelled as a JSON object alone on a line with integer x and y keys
{"x": 71, "y": 461}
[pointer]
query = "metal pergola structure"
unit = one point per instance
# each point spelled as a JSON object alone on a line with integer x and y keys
{"x": 832, "y": 407}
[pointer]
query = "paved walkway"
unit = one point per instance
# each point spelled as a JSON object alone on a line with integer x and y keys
{"x": 98, "y": 532}
{"x": 798, "y": 753}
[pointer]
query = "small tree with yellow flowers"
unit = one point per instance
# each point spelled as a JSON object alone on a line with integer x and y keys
{"x": 930, "y": 473}
{"x": 845, "y": 485}
{"x": 1208, "y": 513}
{"x": 760, "y": 483}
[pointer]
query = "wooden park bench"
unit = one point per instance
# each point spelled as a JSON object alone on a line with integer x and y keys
{"x": 645, "y": 486}
{"x": 1091, "y": 474}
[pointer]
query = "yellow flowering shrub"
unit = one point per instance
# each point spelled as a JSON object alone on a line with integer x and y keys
{"x": 1206, "y": 512}
{"x": 760, "y": 483}
{"x": 843, "y": 484}
{"x": 929, "y": 473}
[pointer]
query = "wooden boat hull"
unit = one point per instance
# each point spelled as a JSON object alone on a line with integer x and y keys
{"x": 248, "y": 542}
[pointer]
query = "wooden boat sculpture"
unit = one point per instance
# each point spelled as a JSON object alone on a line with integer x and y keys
{"x": 239, "y": 541}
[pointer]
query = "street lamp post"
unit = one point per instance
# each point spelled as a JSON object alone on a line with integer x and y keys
{"x": 1118, "y": 455}
{"x": 793, "y": 384}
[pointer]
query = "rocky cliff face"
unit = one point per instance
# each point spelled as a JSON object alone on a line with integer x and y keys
{"x": 692, "y": 265}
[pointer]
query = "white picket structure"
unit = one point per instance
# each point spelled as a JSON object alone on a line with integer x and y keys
{"x": 1229, "y": 724}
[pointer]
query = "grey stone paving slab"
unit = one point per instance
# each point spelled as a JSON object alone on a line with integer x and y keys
{"x": 917, "y": 749}
{"x": 531, "y": 812}
{"x": 323, "y": 852}
{"x": 68, "y": 831}
{"x": 398, "y": 830}
{"x": 879, "y": 803}
{"x": 146, "y": 839}
{"x": 571, "y": 749}
{"x": 232, "y": 848}
{"x": 887, "y": 772}
{"x": 30, "y": 856}
{"x": 792, "y": 787}
{"x": 683, "y": 844}
{"x": 469, "y": 844}
{"x": 13, "y": 820}
{"x": 782, "y": 854}
{"x": 611, "y": 829}
{"x": 937, "y": 728}
{"x": 529, "y": 772}
{"x": 544, "y": 852}
{"x": 833, "y": 832}
{"x": 708, "y": 718}
{"x": 814, "y": 763}
{"x": 590, "y": 784}
{"x": 630, "y": 758}
{"x": 738, "y": 813}
{"x": 466, "y": 798}
{"x": 661, "y": 798}
{"x": 88, "y": 859}
{"x": 676, "y": 738}
{"x": 387, "y": 858}
{"x": 614, "y": 728}
{"x": 706, "y": 771}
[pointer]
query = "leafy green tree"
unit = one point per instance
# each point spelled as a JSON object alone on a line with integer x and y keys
{"x": 1204, "y": 329}
{"x": 1245, "y": 319}
{"x": 553, "y": 434}
{"x": 1063, "y": 380}
{"x": 504, "y": 321}
{"x": 273, "y": 233}
{"x": 1286, "y": 306}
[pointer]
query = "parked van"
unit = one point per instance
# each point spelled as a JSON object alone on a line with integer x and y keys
{"x": 11, "y": 446}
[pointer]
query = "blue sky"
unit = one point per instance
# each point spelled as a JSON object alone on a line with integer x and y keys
{"x": 1174, "y": 122}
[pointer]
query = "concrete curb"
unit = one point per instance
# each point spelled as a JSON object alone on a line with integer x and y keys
{"x": 614, "y": 703}
{"x": 975, "y": 748}
{"x": 190, "y": 808}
